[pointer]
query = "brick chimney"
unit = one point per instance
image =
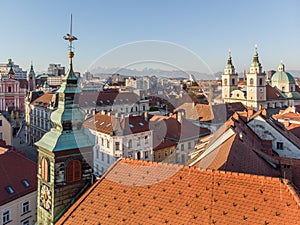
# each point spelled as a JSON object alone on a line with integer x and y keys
{"x": 266, "y": 147}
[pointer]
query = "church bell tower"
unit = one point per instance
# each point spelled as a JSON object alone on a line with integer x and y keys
{"x": 229, "y": 80}
{"x": 256, "y": 83}
{"x": 64, "y": 153}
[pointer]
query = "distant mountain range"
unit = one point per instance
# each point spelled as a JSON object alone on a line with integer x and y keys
{"x": 155, "y": 72}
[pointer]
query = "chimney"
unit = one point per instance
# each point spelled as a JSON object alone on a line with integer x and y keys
{"x": 266, "y": 146}
{"x": 250, "y": 112}
{"x": 145, "y": 114}
{"x": 264, "y": 112}
{"x": 180, "y": 115}
{"x": 245, "y": 77}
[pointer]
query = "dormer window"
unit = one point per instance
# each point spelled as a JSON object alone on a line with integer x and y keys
{"x": 10, "y": 190}
{"x": 25, "y": 183}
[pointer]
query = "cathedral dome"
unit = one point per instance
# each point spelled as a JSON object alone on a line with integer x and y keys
{"x": 281, "y": 76}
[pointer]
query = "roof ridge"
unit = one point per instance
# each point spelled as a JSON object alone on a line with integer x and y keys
{"x": 292, "y": 190}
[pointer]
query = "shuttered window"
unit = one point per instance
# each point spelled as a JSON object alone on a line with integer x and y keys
{"x": 73, "y": 172}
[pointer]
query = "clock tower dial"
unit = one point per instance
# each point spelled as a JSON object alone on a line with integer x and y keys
{"x": 45, "y": 197}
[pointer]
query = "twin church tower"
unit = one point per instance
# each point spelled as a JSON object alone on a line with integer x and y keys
{"x": 254, "y": 94}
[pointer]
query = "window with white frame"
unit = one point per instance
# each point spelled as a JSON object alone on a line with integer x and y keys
{"x": 6, "y": 216}
{"x": 25, "y": 222}
{"x": 25, "y": 207}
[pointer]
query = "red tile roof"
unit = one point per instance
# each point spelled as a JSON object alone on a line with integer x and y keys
{"x": 176, "y": 131}
{"x": 273, "y": 93}
{"x": 44, "y": 100}
{"x": 237, "y": 155}
{"x": 14, "y": 168}
{"x": 295, "y": 129}
{"x": 139, "y": 192}
{"x": 109, "y": 124}
{"x": 106, "y": 98}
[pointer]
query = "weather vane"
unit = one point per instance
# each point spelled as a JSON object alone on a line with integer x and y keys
{"x": 70, "y": 38}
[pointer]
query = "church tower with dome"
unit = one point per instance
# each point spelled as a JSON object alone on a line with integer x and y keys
{"x": 229, "y": 79}
{"x": 283, "y": 80}
{"x": 64, "y": 153}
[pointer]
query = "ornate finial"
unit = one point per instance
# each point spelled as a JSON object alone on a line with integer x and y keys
{"x": 255, "y": 50}
{"x": 229, "y": 61}
{"x": 70, "y": 38}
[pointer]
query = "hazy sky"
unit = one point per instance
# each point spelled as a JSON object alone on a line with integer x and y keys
{"x": 33, "y": 30}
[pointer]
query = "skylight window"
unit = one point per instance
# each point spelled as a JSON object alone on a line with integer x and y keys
{"x": 101, "y": 123}
{"x": 10, "y": 190}
{"x": 141, "y": 124}
{"x": 131, "y": 126}
{"x": 25, "y": 183}
{"x": 108, "y": 125}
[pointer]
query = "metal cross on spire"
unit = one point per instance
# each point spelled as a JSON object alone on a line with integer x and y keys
{"x": 69, "y": 37}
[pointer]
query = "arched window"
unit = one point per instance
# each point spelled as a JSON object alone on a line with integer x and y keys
{"x": 260, "y": 81}
{"x": 251, "y": 81}
{"x": 225, "y": 82}
{"x": 73, "y": 171}
{"x": 45, "y": 165}
{"x": 233, "y": 81}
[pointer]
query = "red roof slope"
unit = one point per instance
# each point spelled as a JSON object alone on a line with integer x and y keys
{"x": 14, "y": 168}
{"x": 139, "y": 192}
{"x": 109, "y": 124}
{"x": 44, "y": 100}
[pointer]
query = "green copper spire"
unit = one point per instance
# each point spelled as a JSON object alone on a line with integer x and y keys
{"x": 11, "y": 73}
{"x": 31, "y": 72}
{"x": 255, "y": 61}
{"x": 68, "y": 118}
{"x": 229, "y": 61}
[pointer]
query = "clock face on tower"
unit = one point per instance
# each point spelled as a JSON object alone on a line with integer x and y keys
{"x": 45, "y": 197}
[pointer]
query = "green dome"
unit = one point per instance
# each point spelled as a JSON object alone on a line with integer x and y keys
{"x": 282, "y": 77}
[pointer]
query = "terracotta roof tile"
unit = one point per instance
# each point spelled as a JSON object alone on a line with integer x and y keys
{"x": 273, "y": 93}
{"x": 169, "y": 194}
{"x": 110, "y": 124}
{"x": 44, "y": 100}
{"x": 14, "y": 168}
